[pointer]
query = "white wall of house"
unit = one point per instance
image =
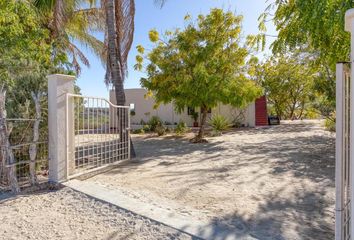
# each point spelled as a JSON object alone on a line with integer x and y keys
{"x": 144, "y": 110}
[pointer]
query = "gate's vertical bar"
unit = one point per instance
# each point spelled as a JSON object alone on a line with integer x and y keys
{"x": 128, "y": 129}
{"x": 339, "y": 151}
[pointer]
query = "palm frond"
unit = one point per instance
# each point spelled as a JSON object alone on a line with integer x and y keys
{"x": 94, "y": 18}
{"x": 76, "y": 53}
{"x": 160, "y": 3}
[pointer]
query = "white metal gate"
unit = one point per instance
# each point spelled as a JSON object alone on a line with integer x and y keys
{"x": 97, "y": 134}
{"x": 343, "y": 153}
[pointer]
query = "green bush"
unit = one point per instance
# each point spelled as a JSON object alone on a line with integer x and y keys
{"x": 154, "y": 122}
{"x": 330, "y": 124}
{"x": 219, "y": 123}
{"x": 160, "y": 130}
{"x": 181, "y": 128}
{"x": 139, "y": 131}
{"x": 146, "y": 128}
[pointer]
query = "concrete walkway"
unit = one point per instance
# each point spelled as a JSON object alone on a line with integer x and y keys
{"x": 194, "y": 227}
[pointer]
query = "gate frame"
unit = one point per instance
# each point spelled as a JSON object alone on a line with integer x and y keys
{"x": 60, "y": 86}
{"x": 343, "y": 201}
{"x": 349, "y": 27}
{"x": 70, "y": 145}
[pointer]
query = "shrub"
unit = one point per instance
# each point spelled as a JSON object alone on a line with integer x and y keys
{"x": 181, "y": 128}
{"x": 219, "y": 123}
{"x": 139, "y": 131}
{"x": 311, "y": 113}
{"x": 146, "y": 128}
{"x": 330, "y": 124}
{"x": 160, "y": 130}
{"x": 154, "y": 122}
{"x": 142, "y": 122}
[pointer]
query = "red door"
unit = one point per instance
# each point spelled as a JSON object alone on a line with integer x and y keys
{"x": 261, "y": 111}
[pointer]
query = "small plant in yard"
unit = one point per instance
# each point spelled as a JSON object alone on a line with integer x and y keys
{"x": 330, "y": 124}
{"x": 154, "y": 122}
{"x": 219, "y": 123}
{"x": 146, "y": 128}
{"x": 181, "y": 128}
{"x": 160, "y": 130}
{"x": 139, "y": 131}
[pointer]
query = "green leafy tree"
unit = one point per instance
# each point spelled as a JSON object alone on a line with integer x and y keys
{"x": 25, "y": 55}
{"x": 317, "y": 29}
{"x": 200, "y": 66}
{"x": 288, "y": 83}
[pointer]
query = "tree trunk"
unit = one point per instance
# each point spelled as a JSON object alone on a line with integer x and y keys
{"x": 33, "y": 146}
{"x": 302, "y": 110}
{"x": 116, "y": 73}
{"x": 200, "y": 135}
{"x": 6, "y": 151}
{"x": 292, "y": 111}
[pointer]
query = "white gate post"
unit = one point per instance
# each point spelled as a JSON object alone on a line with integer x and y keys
{"x": 58, "y": 86}
{"x": 349, "y": 27}
{"x": 339, "y": 151}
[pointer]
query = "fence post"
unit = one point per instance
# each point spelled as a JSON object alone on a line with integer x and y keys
{"x": 58, "y": 86}
{"x": 349, "y": 27}
{"x": 339, "y": 152}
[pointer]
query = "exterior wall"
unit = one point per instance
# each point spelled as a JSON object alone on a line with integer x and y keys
{"x": 144, "y": 110}
{"x": 247, "y": 114}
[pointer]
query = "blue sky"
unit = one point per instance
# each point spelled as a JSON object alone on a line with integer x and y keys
{"x": 149, "y": 16}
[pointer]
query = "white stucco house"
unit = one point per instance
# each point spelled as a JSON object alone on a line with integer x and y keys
{"x": 144, "y": 110}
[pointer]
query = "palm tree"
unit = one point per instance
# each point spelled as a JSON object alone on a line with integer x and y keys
{"x": 118, "y": 41}
{"x": 67, "y": 22}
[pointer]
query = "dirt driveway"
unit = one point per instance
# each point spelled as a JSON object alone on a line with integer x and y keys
{"x": 271, "y": 183}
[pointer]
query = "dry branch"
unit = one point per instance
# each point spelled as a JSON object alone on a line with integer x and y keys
{"x": 6, "y": 151}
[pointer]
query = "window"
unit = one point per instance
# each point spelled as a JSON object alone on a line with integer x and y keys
{"x": 190, "y": 110}
{"x": 132, "y": 107}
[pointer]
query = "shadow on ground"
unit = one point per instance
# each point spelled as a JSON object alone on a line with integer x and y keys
{"x": 280, "y": 152}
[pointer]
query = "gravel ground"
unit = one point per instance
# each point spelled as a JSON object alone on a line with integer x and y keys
{"x": 66, "y": 214}
{"x": 271, "y": 183}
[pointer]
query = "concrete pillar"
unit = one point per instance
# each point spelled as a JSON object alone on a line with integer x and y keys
{"x": 349, "y": 26}
{"x": 58, "y": 86}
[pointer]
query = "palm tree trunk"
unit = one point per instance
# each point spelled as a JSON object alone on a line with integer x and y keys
{"x": 116, "y": 74}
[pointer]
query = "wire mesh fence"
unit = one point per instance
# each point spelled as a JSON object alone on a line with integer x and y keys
{"x": 29, "y": 159}
{"x": 101, "y": 133}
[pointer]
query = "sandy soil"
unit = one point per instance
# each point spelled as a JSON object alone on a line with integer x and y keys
{"x": 273, "y": 183}
{"x": 66, "y": 214}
